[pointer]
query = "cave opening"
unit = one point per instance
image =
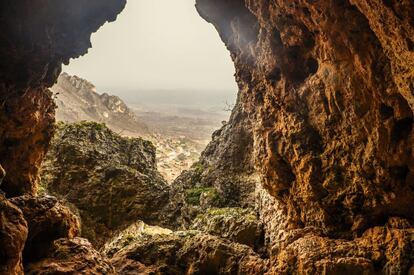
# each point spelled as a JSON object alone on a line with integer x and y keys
{"x": 169, "y": 67}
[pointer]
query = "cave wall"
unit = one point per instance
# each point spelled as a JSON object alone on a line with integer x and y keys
{"x": 35, "y": 39}
{"x": 326, "y": 97}
{"x": 328, "y": 86}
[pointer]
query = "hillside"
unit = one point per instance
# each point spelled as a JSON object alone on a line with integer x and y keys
{"x": 77, "y": 100}
{"x": 179, "y": 134}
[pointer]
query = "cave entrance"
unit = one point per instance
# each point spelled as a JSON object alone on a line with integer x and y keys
{"x": 171, "y": 69}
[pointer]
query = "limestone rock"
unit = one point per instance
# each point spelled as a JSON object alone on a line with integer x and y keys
{"x": 34, "y": 46}
{"x": 380, "y": 250}
{"x": 71, "y": 256}
{"x": 329, "y": 95}
{"x": 187, "y": 252}
{"x": 234, "y": 224}
{"x": 13, "y": 234}
{"x": 47, "y": 220}
{"x": 112, "y": 181}
{"x": 223, "y": 177}
{"x": 130, "y": 234}
{"x": 77, "y": 99}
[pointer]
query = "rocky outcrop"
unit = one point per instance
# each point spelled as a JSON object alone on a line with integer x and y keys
{"x": 380, "y": 250}
{"x": 223, "y": 177}
{"x": 37, "y": 236}
{"x": 234, "y": 224}
{"x": 47, "y": 220}
{"x": 74, "y": 256}
{"x": 34, "y": 46}
{"x": 186, "y": 252}
{"x": 77, "y": 100}
{"x": 326, "y": 86}
{"x": 13, "y": 235}
{"x": 111, "y": 181}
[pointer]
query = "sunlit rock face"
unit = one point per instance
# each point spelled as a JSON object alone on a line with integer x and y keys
{"x": 329, "y": 89}
{"x": 36, "y": 38}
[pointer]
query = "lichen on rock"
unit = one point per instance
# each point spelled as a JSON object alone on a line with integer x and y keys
{"x": 235, "y": 224}
{"x": 111, "y": 180}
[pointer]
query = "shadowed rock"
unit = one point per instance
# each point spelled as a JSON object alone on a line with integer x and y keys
{"x": 74, "y": 256}
{"x": 13, "y": 235}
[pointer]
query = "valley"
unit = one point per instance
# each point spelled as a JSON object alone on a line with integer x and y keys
{"x": 180, "y": 130}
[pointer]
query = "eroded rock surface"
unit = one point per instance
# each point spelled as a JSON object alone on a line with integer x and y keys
{"x": 47, "y": 220}
{"x": 186, "y": 252}
{"x": 333, "y": 132}
{"x": 13, "y": 235}
{"x": 234, "y": 224}
{"x": 112, "y": 181}
{"x": 77, "y": 100}
{"x": 71, "y": 256}
{"x": 36, "y": 38}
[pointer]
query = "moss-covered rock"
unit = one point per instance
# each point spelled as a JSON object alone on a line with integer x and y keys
{"x": 195, "y": 196}
{"x": 236, "y": 224}
{"x": 113, "y": 181}
{"x": 186, "y": 252}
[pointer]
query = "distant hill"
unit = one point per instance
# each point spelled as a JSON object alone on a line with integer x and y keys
{"x": 77, "y": 100}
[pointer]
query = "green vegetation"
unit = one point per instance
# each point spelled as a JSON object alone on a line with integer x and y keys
{"x": 193, "y": 195}
{"x": 91, "y": 124}
{"x": 198, "y": 167}
{"x": 229, "y": 211}
{"x": 81, "y": 125}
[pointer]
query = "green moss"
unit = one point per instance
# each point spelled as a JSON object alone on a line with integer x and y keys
{"x": 193, "y": 194}
{"x": 198, "y": 167}
{"x": 229, "y": 211}
{"x": 42, "y": 188}
{"x": 129, "y": 238}
{"x": 91, "y": 124}
{"x": 218, "y": 211}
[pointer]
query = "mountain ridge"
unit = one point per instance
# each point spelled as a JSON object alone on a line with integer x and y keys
{"x": 78, "y": 99}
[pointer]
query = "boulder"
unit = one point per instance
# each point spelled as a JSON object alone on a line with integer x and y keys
{"x": 13, "y": 235}
{"x": 112, "y": 181}
{"x": 71, "y": 256}
{"x": 47, "y": 220}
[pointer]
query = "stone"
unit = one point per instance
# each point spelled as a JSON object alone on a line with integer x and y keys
{"x": 186, "y": 252}
{"x": 326, "y": 109}
{"x": 111, "y": 181}
{"x": 71, "y": 256}
{"x": 234, "y": 224}
{"x": 30, "y": 61}
{"x": 13, "y": 235}
{"x": 47, "y": 220}
{"x": 320, "y": 141}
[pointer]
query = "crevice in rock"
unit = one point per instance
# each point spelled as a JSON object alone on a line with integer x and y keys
{"x": 402, "y": 129}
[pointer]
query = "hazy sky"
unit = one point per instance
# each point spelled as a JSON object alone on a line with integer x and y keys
{"x": 157, "y": 44}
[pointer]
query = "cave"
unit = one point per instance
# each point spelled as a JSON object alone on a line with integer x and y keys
{"x": 324, "y": 86}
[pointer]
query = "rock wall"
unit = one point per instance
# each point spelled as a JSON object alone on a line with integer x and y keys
{"x": 111, "y": 181}
{"x": 328, "y": 88}
{"x": 36, "y": 38}
{"x": 326, "y": 97}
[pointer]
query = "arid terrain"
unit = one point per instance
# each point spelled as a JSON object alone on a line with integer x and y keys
{"x": 179, "y": 131}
